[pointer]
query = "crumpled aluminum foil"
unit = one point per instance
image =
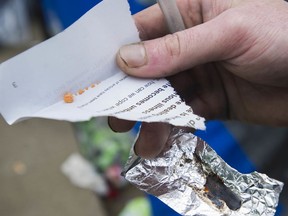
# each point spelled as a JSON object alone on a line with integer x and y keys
{"x": 192, "y": 179}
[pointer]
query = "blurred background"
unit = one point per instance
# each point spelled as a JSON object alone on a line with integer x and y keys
{"x": 57, "y": 168}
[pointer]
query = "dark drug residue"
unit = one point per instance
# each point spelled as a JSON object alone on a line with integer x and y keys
{"x": 215, "y": 189}
{"x": 217, "y": 192}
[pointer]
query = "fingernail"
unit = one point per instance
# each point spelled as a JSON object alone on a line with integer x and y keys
{"x": 133, "y": 55}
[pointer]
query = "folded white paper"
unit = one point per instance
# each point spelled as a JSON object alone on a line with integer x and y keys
{"x": 82, "y": 57}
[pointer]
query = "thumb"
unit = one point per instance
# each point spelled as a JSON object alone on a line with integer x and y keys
{"x": 173, "y": 53}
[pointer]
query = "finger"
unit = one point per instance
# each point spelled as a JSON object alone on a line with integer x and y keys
{"x": 119, "y": 125}
{"x": 203, "y": 90}
{"x": 152, "y": 139}
{"x": 150, "y": 23}
{"x": 214, "y": 40}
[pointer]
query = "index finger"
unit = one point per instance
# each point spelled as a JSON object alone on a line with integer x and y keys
{"x": 151, "y": 23}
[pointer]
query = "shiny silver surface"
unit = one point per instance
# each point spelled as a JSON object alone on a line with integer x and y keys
{"x": 193, "y": 180}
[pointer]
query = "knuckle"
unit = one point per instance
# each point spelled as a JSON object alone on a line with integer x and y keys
{"x": 235, "y": 22}
{"x": 172, "y": 45}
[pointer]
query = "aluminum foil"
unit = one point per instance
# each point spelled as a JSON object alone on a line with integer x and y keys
{"x": 192, "y": 179}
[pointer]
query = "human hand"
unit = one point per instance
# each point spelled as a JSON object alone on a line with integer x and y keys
{"x": 232, "y": 64}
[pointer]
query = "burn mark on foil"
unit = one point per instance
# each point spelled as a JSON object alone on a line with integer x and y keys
{"x": 218, "y": 193}
{"x": 215, "y": 189}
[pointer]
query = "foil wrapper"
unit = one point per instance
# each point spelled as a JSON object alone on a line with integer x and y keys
{"x": 192, "y": 179}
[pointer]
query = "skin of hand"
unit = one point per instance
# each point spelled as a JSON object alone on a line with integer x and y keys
{"x": 230, "y": 63}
